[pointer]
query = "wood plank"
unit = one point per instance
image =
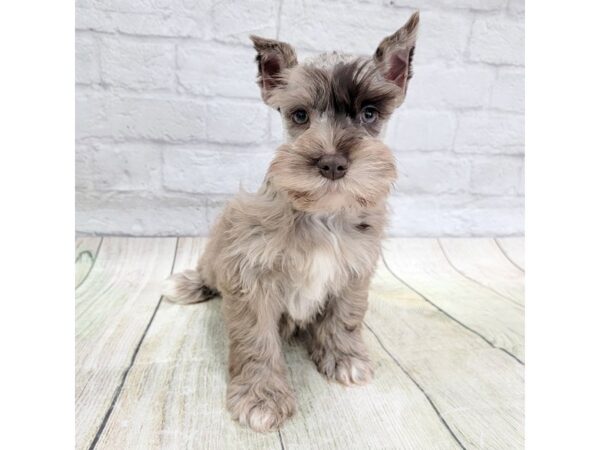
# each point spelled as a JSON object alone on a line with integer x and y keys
{"x": 514, "y": 249}
{"x": 86, "y": 250}
{"x": 477, "y": 389}
{"x": 390, "y": 412}
{"x": 421, "y": 264}
{"x": 482, "y": 261}
{"x": 112, "y": 310}
{"x": 174, "y": 395}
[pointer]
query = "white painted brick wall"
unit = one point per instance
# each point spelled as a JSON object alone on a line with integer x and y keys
{"x": 170, "y": 123}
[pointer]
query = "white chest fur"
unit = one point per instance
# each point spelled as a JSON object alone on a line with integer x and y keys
{"x": 319, "y": 277}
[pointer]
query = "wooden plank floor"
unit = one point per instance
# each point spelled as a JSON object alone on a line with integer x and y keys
{"x": 444, "y": 328}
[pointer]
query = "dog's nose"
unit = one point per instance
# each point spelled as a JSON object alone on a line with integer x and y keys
{"x": 333, "y": 166}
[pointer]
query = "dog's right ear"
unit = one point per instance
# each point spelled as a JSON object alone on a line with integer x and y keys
{"x": 272, "y": 57}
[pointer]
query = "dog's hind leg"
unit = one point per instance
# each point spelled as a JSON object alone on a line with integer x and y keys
{"x": 188, "y": 287}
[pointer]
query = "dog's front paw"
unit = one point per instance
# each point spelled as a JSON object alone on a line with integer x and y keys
{"x": 352, "y": 370}
{"x": 261, "y": 407}
{"x": 347, "y": 370}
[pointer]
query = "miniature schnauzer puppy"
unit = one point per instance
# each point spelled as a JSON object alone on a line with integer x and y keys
{"x": 299, "y": 254}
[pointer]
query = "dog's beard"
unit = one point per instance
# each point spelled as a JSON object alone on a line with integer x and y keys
{"x": 368, "y": 181}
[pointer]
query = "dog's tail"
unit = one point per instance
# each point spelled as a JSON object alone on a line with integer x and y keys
{"x": 187, "y": 287}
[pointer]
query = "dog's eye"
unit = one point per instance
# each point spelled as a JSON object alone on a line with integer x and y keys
{"x": 300, "y": 116}
{"x": 369, "y": 114}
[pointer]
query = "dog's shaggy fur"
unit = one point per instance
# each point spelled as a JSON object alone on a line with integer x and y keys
{"x": 299, "y": 254}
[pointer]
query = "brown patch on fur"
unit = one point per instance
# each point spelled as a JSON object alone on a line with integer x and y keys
{"x": 362, "y": 202}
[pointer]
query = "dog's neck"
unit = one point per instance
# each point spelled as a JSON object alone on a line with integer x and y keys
{"x": 278, "y": 204}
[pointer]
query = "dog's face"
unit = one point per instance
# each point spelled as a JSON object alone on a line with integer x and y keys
{"x": 334, "y": 108}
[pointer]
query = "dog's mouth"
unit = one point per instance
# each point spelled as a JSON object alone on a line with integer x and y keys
{"x": 333, "y": 181}
{"x": 331, "y": 195}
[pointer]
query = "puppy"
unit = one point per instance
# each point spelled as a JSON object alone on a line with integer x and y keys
{"x": 299, "y": 254}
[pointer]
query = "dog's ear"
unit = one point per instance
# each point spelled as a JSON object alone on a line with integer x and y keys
{"x": 395, "y": 53}
{"x": 272, "y": 57}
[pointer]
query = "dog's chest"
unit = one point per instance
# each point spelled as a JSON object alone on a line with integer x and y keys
{"x": 322, "y": 268}
{"x": 320, "y": 276}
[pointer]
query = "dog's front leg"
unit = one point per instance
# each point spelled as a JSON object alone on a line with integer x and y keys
{"x": 258, "y": 394}
{"x": 335, "y": 342}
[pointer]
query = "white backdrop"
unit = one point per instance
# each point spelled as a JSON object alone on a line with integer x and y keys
{"x": 169, "y": 119}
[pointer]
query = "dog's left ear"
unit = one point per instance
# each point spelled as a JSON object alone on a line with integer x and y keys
{"x": 394, "y": 55}
{"x": 272, "y": 57}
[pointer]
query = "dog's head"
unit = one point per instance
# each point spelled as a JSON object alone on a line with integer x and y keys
{"x": 334, "y": 108}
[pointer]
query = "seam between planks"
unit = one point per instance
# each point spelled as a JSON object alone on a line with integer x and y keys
{"x": 131, "y": 362}
{"x": 460, "y": 272}
{"x": 508, "y": 257}
{"x": 466, "y": 327}
{"x": 437, "y": 411}
{"x": 94, "y": 258}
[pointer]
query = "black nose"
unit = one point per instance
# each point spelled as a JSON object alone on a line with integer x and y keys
{"x": 333, "y": 166}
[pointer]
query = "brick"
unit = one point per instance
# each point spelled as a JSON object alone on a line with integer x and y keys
{"x": 310, "y": 24}
{"x": 455, "y": 215}
{"x": 232, "y": 122}
{"x": 126, "y": 167}
{"x": 494, "y": 216}
{"x": 477, "y": 5}
{"x": 168, "y": 120}
{"x": 157, "y": 162}
{"x": 497, "y": 176}
{"x": 136, "y": 6}
{"x": 138, "y": 65}
{"x": 84, "y": 173}
{"x": 210, "y": 69}
{"x": 431, "y": 174}
{"x": 214, "y": 170}
{"x": 87, "y": 69}
{"x": 508, "y": 92}
{"x": 234, "y": 21}
{"x": 516, "y": 6}
{"x": 142, "y": 23}
{"x": 90, "y": 116}
{"x": 317, "y": 26}
{"x": 146, "y": 214}
{"x": 498, "y": 39}
{"x": 276, "y": 131}
{"x": 425, "y": 216}
{"x": 490, "y": 132}
{"x": 439, "y": 86}
{"x": 421, "y": 130}
{"x": 442, "y": 36}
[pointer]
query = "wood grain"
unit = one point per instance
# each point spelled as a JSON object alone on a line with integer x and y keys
{"x": 514, "y": 249}
{"x": 174, "y": 395}
{"x": 391, "y": 412}
{"x": 112, "y": 309}
{"x": 482, "y": 261}
{"x": 478, "y": 390}
{"x": 421, "y": 264}
{"x": 86, "y": 250}
{"x": 438, "y": 384}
